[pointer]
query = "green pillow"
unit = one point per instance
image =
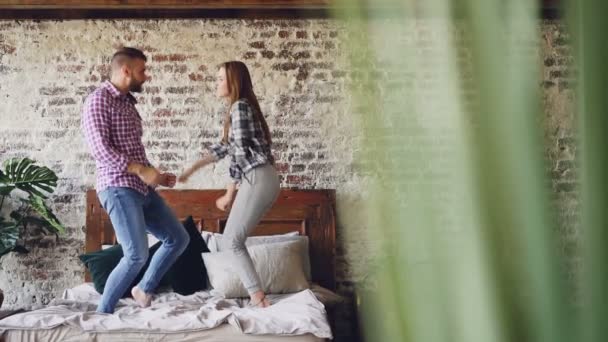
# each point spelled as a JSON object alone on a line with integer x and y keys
{"x": 101, "y": 263}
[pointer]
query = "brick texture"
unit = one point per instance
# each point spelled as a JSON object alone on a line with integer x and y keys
{"x": 47, "y": 69}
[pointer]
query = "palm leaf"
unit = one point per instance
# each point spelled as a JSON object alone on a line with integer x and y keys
{"x": 25, "y": 175}
{"x": 37, "y": 203}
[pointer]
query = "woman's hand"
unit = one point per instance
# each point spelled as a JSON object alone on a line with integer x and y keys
{"x": 208, "y": 159}
{"x": 183, "y": 178}
{"x": 225, "y": 202}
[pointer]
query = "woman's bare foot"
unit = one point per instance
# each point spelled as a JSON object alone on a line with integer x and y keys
{"x": 259, "y": 300}
{"x": 143, "y": 299}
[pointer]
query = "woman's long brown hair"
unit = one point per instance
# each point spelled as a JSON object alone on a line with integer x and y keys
{"x": 240, "y": 86}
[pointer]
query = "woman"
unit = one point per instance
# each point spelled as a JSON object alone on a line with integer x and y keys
{"x": 247, "y": 140}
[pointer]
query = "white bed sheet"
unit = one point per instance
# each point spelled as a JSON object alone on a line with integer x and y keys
{"x": 297, "y": 314}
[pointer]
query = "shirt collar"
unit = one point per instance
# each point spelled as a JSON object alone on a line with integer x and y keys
{"x": 116, "y": 93}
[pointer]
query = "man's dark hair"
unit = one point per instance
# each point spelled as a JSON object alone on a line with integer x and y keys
{"x": 127, "y": 54}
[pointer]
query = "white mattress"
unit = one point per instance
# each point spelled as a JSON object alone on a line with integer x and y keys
{"x": 222, "y": 333}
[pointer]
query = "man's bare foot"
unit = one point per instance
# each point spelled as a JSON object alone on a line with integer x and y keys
{"x": 258, "y": 299}
{"x": 143, "y": 299}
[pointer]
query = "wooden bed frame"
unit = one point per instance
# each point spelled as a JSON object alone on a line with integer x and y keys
{"x": 310, "y": 212}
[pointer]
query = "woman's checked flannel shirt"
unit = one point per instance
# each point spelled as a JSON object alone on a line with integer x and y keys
{"x": 246, "y": 145}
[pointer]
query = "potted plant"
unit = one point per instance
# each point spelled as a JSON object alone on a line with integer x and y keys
{"x": 25, "y": 186}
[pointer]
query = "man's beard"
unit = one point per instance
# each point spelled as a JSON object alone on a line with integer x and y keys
{"x": 136, "y": 86}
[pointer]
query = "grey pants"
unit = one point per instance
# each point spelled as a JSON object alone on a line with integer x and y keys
{"x": 258, "y": 191}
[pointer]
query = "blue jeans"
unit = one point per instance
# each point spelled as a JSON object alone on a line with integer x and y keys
{"x": 132, "y": 213}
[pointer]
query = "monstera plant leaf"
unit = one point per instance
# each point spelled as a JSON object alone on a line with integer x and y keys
{"x": 9, "y": 234}
{"x": 27, "y": 220}
{"x": 51, "y": 221}
{"x": 25, "y": 175}
{"x": 5, "y": 190}
{"x": 37, "y": 182}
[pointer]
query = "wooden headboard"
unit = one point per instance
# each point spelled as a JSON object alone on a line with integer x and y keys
{"x": 311, "y": 212}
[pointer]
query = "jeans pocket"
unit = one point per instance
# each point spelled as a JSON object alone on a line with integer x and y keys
{"x": 252, "y": 176}
{"x": 103, "y": 199}
{"x": 117, "y": 197}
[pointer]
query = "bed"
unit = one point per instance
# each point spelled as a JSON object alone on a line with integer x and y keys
{"x": 309, "y": 212}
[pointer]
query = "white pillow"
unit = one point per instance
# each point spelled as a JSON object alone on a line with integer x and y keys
{"x": 214, "y": 242}
{"x": 279, "y": 266}
{"x": 206, "y": 236}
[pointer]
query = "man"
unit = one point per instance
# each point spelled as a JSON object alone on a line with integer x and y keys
{"x": 126, "y": 182}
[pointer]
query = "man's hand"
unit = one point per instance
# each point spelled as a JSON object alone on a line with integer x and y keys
{"x": 168, "y": 180}
{"x": 150, "y": 176}
{"x": 147, "y": 174}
